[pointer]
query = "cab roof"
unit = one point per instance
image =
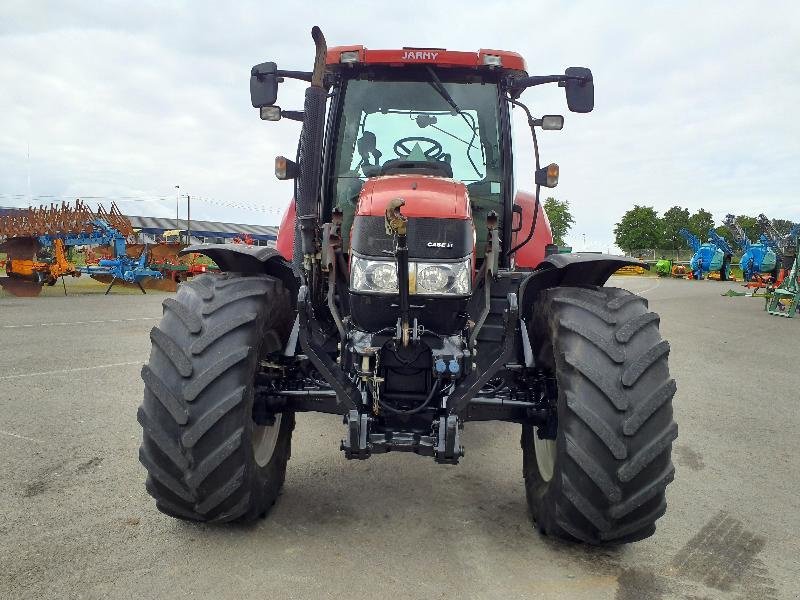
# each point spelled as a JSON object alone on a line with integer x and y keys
{"x": 343, "y": 56}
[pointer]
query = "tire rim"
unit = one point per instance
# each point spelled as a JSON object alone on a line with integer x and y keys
{"x": 265, "y": 438}
{"x": 545, "y": 451}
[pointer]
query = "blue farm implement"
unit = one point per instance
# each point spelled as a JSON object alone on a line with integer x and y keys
{"x": 758, "y": 258}
{"x": 51, "y": 229}
{"x": 713, "y": 256}
{"x": 123, "y": 268}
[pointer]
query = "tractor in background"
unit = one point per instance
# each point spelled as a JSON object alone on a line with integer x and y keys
{"x": 411, "y": 294}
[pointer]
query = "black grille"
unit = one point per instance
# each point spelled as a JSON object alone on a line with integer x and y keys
{"x": 369, "y": 237}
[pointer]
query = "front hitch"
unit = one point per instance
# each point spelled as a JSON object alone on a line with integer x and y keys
{"x": 397, "y": 226}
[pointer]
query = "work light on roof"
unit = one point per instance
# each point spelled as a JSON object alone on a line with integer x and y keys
{"x": 492, "y": 60}
{"x": 351, "y": 56}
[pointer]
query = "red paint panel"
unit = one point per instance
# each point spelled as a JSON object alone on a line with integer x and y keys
{"x": 424, "y": 196}
{"x": 285, "y": 243}
{"x": 437, "y": 56}
{"x": 532, "y": 253}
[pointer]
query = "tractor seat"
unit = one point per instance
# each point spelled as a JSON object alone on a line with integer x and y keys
{"x": 402, "y": 166}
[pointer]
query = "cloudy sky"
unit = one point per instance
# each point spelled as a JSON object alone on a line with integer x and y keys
{"x": 696, "y": 102}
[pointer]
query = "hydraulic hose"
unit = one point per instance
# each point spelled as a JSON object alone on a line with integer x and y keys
{"x": 420, "y": 408}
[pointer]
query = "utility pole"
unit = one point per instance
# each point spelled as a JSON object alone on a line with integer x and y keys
{"x": 188, "y": 219}
{"x": 30, "y": 194}
{"x": 177, "y": 201}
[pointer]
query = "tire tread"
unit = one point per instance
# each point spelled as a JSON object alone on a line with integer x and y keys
{"x": 614, "y": 445}
{"x": 194, "y": 415}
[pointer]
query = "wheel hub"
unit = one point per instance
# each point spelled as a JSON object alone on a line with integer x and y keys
{"x": 265, "y": 438}
{"x": 545, "y": 451}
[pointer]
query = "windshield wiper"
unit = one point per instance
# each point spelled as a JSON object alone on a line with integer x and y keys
{"x": 437, "y": 85}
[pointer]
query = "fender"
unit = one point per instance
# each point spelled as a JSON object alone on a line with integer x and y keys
{"x": 532, "y": 253}
{"x": 240, "y": 258}
{"x": 581, "y": 268}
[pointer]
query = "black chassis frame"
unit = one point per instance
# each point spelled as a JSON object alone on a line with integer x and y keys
{"x": 514, "y": 351}
{"x": 513, "y": 295}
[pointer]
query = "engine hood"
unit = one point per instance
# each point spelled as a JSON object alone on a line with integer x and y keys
{"x": 424, "y": 195}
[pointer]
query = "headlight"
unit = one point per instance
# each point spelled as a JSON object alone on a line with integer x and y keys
{"x": 382, "y": 276}
{"x": 426, "y": 279}
{"x": 373, "y": 275}
{"x": 444, "y": 278}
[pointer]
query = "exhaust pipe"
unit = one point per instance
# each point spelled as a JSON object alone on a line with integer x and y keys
{"x": 310, "y": 161}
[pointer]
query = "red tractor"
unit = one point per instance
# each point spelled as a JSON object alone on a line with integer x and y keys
{"x": 412, "y": 291}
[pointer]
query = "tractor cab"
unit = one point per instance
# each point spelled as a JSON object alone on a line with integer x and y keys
{"x": 423, "y": 120}
{"x": 429, "y": 113}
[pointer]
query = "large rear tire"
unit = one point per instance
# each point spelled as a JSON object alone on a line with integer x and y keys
{"x": 206, "y": 459}
{"x": 602, "y": 480}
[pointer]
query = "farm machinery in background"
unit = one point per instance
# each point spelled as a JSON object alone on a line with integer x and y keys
{"x": 758, "y": 258}
{"x": 30, "y": 266}
{"x": 713, "y": 256}
{"x": 120, "y": 267}
{"x": 784, "y": 246}
{"x": 33, "y": 257}
{"x": 37, "y": 242}
{"x": 783, "y": 297}
{"x": 784, "y": 300}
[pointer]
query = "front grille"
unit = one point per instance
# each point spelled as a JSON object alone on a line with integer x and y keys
{"x": 369, "y": 237}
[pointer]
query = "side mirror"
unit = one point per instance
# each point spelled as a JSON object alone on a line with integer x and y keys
{"x": 264, "y": 85}
{"x": 580, "y": 94}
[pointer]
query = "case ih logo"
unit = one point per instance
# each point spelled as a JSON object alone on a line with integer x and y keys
{"x": 420, "y": 55}
{"x": 440, "y": 244}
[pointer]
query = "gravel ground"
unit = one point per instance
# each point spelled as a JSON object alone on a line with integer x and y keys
{"x": 77, "y": 523}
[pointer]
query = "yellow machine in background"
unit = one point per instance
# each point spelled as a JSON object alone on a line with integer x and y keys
{"x": 43, "y": 272}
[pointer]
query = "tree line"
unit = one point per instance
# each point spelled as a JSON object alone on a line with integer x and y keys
{"x": 641, "y": 228}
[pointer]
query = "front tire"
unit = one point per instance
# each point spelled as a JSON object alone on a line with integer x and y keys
{"x": 602, "y": 480}
{"x": 206, "y": 459}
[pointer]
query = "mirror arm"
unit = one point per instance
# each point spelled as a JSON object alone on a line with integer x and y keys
{"x": 532, "y": 125}
{"x": 292, "y": 115}
{"x": 301, "y": 75}
{"x": 526, "y": 82}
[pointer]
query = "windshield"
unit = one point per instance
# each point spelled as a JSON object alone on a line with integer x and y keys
{"x": 384, "y": 123}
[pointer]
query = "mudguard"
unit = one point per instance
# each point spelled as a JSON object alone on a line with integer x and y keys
{"x": 241, "y": 258}
{"x": 571, "y": 270}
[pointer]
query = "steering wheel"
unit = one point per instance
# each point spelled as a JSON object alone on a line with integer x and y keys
{"x": 435, "y": 152}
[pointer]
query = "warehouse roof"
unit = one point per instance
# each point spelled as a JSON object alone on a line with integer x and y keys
{"x": 158, "y": 225}
{"x": 202, "y": 229}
